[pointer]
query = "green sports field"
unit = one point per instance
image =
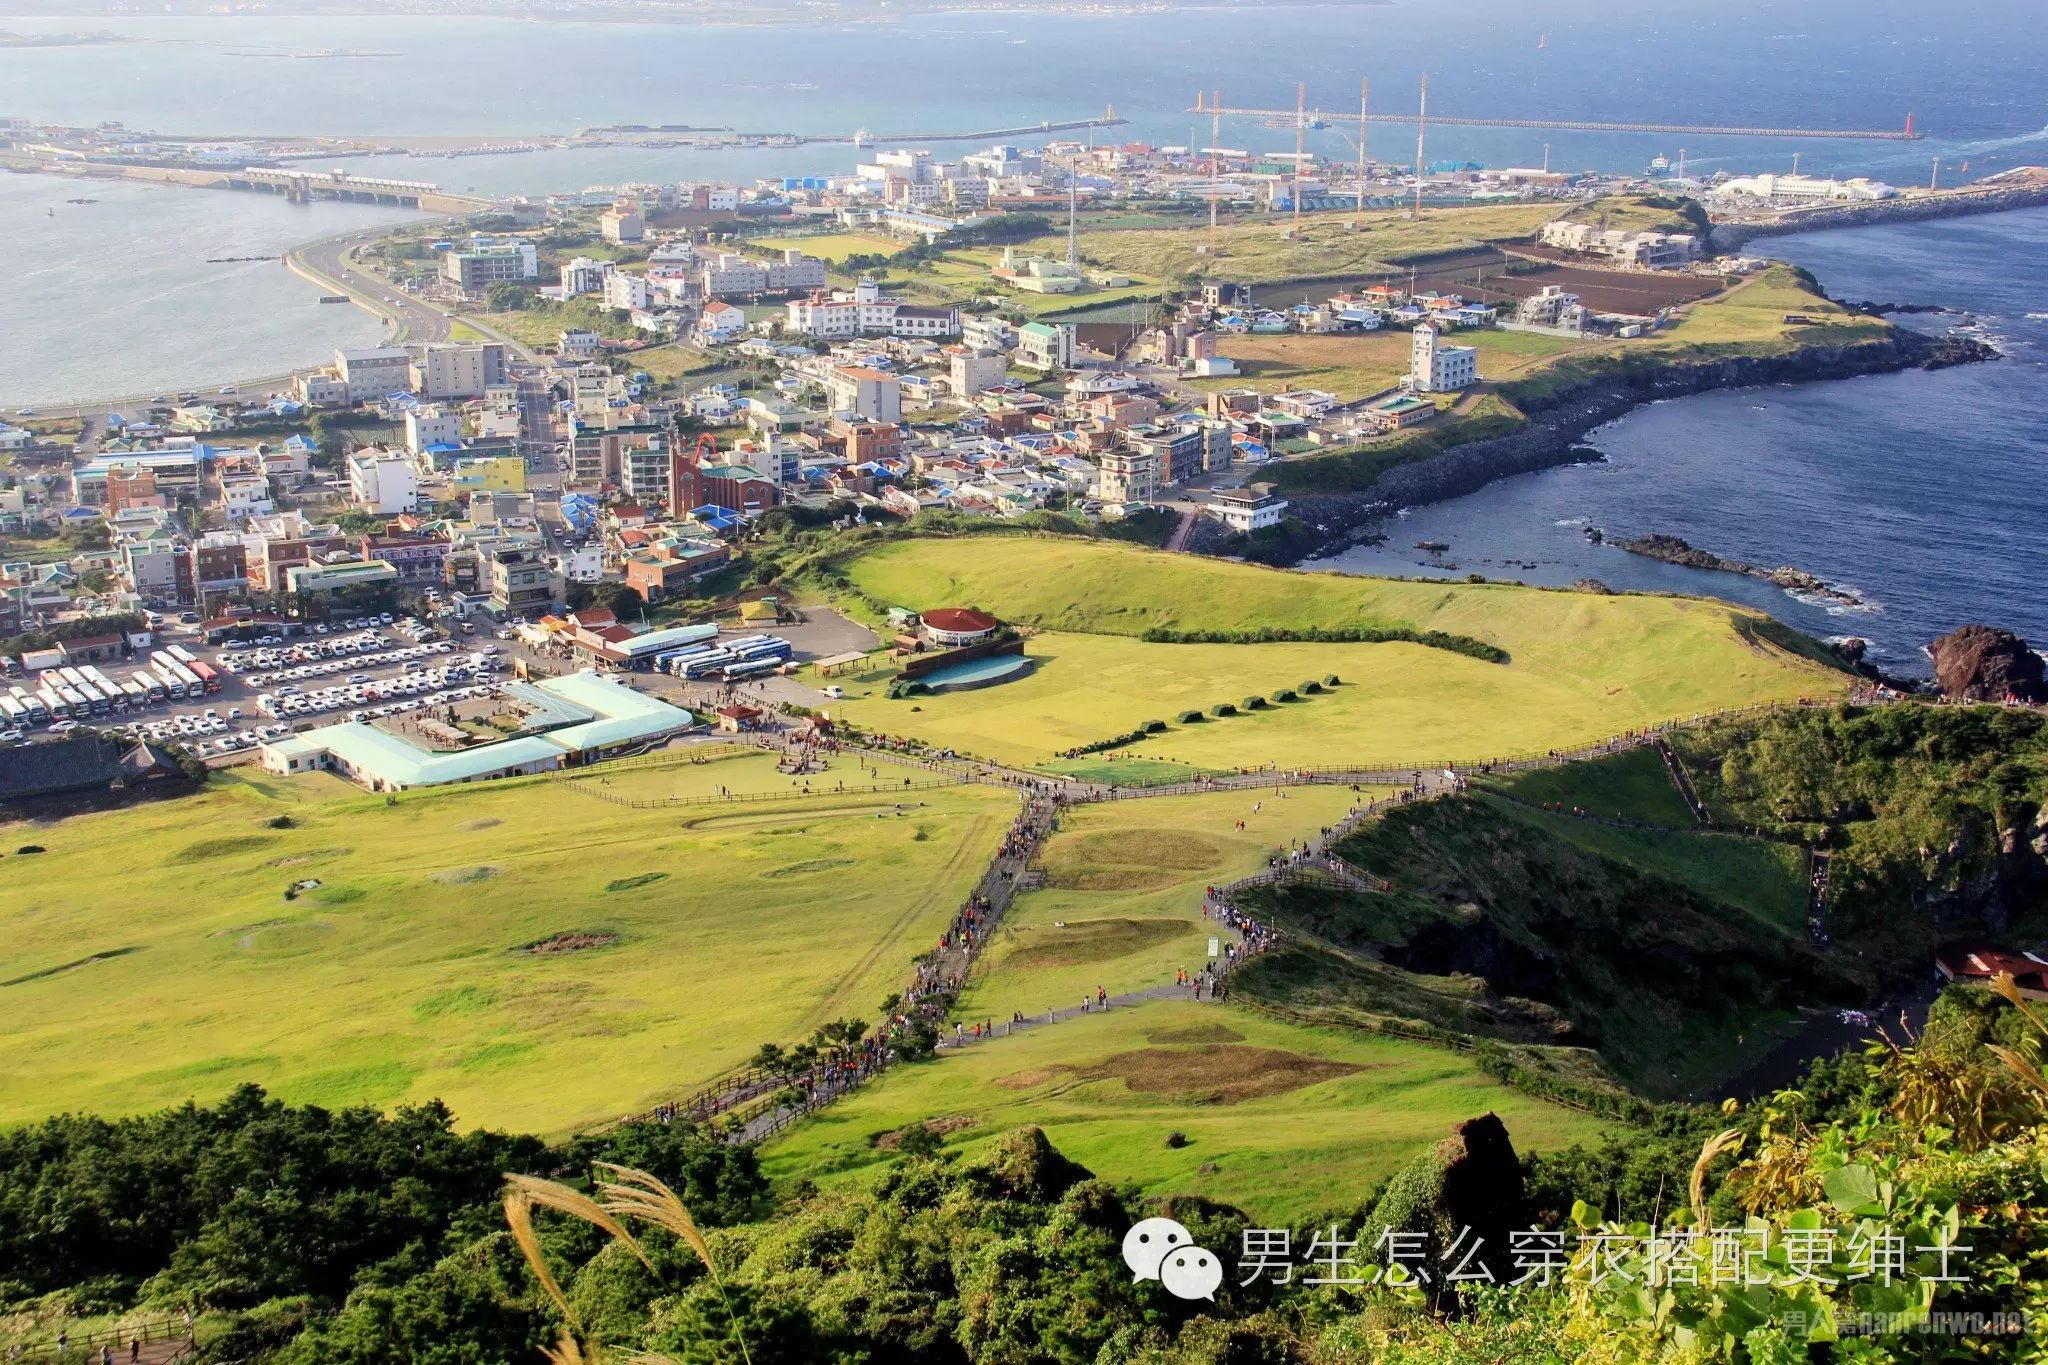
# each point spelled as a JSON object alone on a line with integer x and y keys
{"x": 1582, "y": 666}
{"x": 536, "y": 956}
{"x": 1122, "y": 903}
{"x": 1280, "y": 1120}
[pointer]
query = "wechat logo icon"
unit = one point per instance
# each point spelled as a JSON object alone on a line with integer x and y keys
{"x": 1161, "y": 1249}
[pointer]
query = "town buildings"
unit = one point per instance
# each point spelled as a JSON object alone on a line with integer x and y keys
{"x": 1437, "y": 367}
{"x": 486, "y": 263}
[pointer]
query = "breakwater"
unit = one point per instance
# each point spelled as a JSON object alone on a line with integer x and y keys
{"x": 2027, "y": 193}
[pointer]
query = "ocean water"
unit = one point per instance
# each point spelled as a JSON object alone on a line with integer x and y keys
{"x": 1925, "y": 492}
{"x": 116, "y": 297}
{"x": 1970, "y": 77}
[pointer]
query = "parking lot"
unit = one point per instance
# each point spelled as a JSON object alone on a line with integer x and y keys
{"x": 364, "y": 668}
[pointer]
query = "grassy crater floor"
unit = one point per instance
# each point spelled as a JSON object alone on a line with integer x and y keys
{"x": 1122, "y": 903}
{"x": 1582, "y": 666}
{"x": 534, "y": 956}
{"x": 1280, "y": 1119}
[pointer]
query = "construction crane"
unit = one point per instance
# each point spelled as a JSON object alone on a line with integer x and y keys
{"x": 1909, "y": 133}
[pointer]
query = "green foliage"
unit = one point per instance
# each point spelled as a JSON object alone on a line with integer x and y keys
{"x": 252, "y": 1200}
{"x": 1435, "y": 639}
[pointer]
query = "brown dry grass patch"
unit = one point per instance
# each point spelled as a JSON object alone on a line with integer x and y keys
{"x": 1196, "y": 1033}
{"x": 1095, "y": 940}
{"x": 1216, "y": 1073}
{"x": 952, "y": 1123}
{"x": 1029, "y": 1079}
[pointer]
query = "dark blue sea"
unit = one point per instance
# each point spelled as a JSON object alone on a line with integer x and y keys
{"x": 1925, "y": 493}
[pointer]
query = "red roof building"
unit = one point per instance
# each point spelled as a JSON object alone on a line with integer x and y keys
{"x": 1976, "y": 964}
{"x": 958, "y": 625}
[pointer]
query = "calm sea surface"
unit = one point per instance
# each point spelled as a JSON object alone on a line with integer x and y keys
{"x": 1926, "y": 492}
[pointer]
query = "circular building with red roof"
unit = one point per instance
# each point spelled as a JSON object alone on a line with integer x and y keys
{"x": 957, "y": 626}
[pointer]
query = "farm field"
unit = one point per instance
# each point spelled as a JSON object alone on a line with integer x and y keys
{"x": 1582, "y": 666}
{"x": 1122, "y": 904}
{"x": 1262, "y": 252}
{"x": 152, "y": 955}
{"x": 1353, "y": 365}
{"x": 1280, "y": 1120}
{"x": 831, "y": 247}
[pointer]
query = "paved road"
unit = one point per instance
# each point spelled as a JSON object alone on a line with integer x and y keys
{"x": 331, "y": 259}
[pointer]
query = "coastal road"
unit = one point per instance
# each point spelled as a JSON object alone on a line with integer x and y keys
{"x": 329, "y": 262}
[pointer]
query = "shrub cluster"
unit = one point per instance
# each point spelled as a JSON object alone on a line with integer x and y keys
{"x": 1348, "y": 635}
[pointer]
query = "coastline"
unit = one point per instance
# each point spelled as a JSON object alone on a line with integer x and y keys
{"x": 1332, "y": 522}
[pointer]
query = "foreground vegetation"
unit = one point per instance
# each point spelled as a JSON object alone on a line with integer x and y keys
{"x": 524, "y": 951}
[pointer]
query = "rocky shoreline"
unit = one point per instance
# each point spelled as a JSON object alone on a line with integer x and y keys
{"x": 1326, "y": 523}
{"x": 1673, "y": 550}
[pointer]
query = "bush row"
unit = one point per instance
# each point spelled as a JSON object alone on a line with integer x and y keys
{"x": 1360, "y": 635}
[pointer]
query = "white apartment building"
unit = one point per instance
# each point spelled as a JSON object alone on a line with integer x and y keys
{"x": 579, "y": 341}
{"x": 672, "y": 261}
{"x": 1045, "y": 345}
{"x": 430, "y": 424}
{"x": 1434, "y": 367}
{"x": 869, "y": 395}
{"x": 382, "y": 482}
{"x": 457, "y": 369}
{"x": 371, "y": 373}
{"x": 627, "y": 292}
{"x": 987, "y": 332}
{"x": 1245, "y": 510}
{"x": 505, "y": 262}
{"x": 1653, "y": 250}
{"x": 1551, "y": 306}
{"x": 731, "y": 273}
{"x": 622, "y": 223}
{"x": 865, "y": 312}
{"x": 972, "y": 372}
{"x": 584, "y": 276}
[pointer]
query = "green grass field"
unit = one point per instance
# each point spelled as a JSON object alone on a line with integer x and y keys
{"x": 151, "y": 955}
{"x": 1122, "y": 903}
{"x": 1280, "y": 1120}
{"x": 1629, "y": 786}
{"x": 1765, "y": 879}
{"x": 1584, "y": 666}
{"x": 831, "y": 247}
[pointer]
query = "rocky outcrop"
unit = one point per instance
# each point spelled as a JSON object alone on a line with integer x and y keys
{"x": 1462, "y": 1198}
{"x": 1673, "y": 550}
{"x": 1981, "y": 663}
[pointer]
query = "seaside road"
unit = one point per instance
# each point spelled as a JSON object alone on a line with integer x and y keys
{"x": 328, "y": 262}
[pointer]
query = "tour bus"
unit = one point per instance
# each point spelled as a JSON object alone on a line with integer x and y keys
{"x": 174, "y": 687}
{"x": 38, "y": 709}
{"x": 182, "y": 654}
{"x": 54, "y": 703}
{"x": 13, "y": 715}
{"x": 208, "y": 678}
{"x": 68, "y": 676}
{"x": 149, "y": 683}
{"x": 95, "y": 704}
{"x": 137, "y": 694}
{"x": 75, "y": 706}
{"x": 752, "y": 668}
{"x": 704, "y": 665}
